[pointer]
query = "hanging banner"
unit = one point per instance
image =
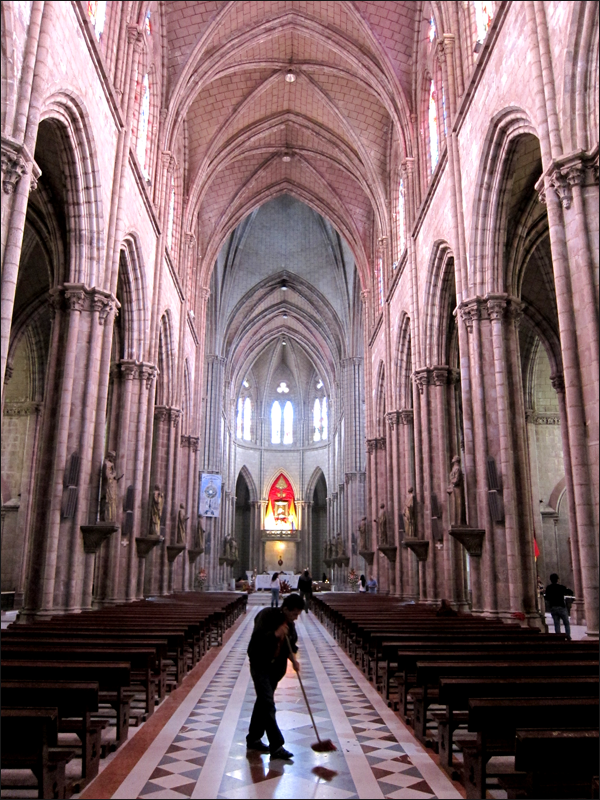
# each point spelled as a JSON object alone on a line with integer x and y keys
{"x": 210, "y": 495}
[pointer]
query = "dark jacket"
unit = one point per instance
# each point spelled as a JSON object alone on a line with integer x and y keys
{"x": 555, "y": 595}
{"x": 304, "y": 584}
{"x": 266, "y": 652}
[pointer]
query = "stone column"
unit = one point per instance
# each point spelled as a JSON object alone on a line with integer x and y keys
{"x": 445, "y": 565}
{"x": 409, "y": 589}
{"x": 423, "y": 379}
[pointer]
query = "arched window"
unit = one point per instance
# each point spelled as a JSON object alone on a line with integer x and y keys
{"x": 401, "y": 228}
{"x": 379, "y": 280}
{"x": 324, "y": 420}
{"x": 288, "y": 423}
{"x": 247, "y": 418}
{"x": 317, "y": 420}
{"x": 143, "y": 125}
{"x": 240, "y": 413}
{"x": 484, "y": 13}
{"x": 276, "y": 423}
{"x": 433, "y": 128}
{"x": 171, "y": 218}
{"x": 148, "y": 23}
{"x": 97, "y": 15}
{"x": 432, "y": 30}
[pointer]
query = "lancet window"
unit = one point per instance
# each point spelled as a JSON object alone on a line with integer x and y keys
{"x": 320, "y": 419}
{"x": 97, "y": 14}
{"x": 276, "y": 423}
{"x": 484, "y": 13}
{"x": 434, "y": 147}
{"x": 142, "y": 140}
{"x": 171, "y": 218}
{"x": 244, "y": 419}
{"x": 401, "y": 221}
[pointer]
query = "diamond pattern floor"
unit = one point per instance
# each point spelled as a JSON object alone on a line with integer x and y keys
{"x": 205, "y": 755}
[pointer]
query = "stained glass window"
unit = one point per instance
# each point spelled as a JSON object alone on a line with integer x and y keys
{"x": 171, "y": 217}
{"x": 317, "y": 420}
{"x": 433, "y": 128}
{"x": 247, "y": 418}
{"x": 143, "y": 125}
{"x": 401, "y": 221}
{"x": 484, "y": 13}
{"x": 276, "y": 423}
{"x": 324, "y": 424}
{"x": 97, "y": 15}
{"x": 379, "y": 279}
{"x": 240, "y": 407}
{"x": 432, "y": 31}
{"x": 148, "y": 24}
{"x": 288, "y": 423}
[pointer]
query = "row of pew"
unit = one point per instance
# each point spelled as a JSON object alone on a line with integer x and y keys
{"x": 504, "y": 706}
{"x": 72, "y": 685}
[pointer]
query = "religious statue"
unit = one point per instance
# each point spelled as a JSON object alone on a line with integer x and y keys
{"x": 227, "y": 546}
{"x": 327, "y": 550}
{"x": 362, "y": 534}
{"x": 181, "y": 523}
{"x": 156, "y": 509}
{"x": 108, "y": 501}
{"x": 455, "y": 490}
{"x": 382, "y": 531}
{"x": 409, "y": 514}
{"x": 233, "y": 548}
{"x": 339, "y": 546}
{"x": 199, "y": 537}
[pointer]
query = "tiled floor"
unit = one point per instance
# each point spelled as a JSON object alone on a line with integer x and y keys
{"x": 201, "y": 753}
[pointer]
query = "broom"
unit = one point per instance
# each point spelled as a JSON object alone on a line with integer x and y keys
{"x": 321, "y": 745}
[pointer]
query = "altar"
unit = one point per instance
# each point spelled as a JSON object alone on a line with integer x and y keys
{"x": 264, "y": 581}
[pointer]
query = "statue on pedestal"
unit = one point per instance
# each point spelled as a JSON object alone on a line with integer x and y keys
{"x": 455, "y": 490}
{"x": 108, "y": 500}
{"x": 382, "y": 531}
{"x": 181, "y": 523}
{"x": 233, "y": 548}
{"x": 339, "y": 546}
{"x": 409, "y": 514}
{"x": 363, "y": 545}
{"x": 156, "y": 509}
{"x": 227, "y": 546}
{"x": 199, "y": 537}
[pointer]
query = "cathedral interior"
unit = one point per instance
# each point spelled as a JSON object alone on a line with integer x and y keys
{"x": 297, "y": 285}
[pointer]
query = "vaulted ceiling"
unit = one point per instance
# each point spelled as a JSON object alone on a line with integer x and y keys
{"x": 252, "y": 133}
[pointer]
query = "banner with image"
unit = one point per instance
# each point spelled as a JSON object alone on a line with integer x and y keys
{"x": 210, "y": 495}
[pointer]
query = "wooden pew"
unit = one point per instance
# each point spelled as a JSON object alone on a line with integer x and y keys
{"x": 496, "y": 720}
{"x": 29, "y": 742}
{"x": 113, "y": 679}
{"x": 76, "y": 701}
{"x": 495, "y": 681}
{"x": 553, "y": 764}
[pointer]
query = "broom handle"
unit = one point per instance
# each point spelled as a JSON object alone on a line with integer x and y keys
{"x": 312, "y": 719}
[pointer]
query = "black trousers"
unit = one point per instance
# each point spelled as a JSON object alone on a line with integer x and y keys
{"x": 263, "y": 715}
{"x": 307, "y": 597}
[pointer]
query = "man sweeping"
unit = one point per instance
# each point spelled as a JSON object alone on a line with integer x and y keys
{"x": 269, "y": 652}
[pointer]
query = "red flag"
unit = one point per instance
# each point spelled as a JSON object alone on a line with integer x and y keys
{"x": 536, "y": 549}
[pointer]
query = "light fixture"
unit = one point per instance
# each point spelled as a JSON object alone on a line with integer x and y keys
{"x": 290, "y": 77}
{"x": 285, "y": 316}
{"x": 286, "y": 159}
{"x": 246, "y": 384}
{"x": 283, "y": 285}
{"x": 283, "y": 344}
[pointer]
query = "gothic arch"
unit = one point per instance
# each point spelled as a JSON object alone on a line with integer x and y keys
{"x": 84, "y": 210}
{"x": 438, "y": 293}
{"x": 134, "y": 301}
{"x": 166, "y": 361}
{"x": 380, "y": 425}
{"x": 250, "y": 483}
{"x": 580, "y": 99}
{"x": 268, "y": 482}
{"x": 312, "y": 483}
{"x": 8, "y": 87}
{"x": 403, "y": 364}
{"x": 506, "y": 127}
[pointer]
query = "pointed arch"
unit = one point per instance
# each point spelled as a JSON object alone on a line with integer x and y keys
{"x": 440, "y": 287}
{"x": 312, "y": 483}
{"x": 134, "y": 303}
{"x": 380, "y": 405}
{"x": 84, "y": 213}
{"x": 506, "y": 126}
{"x": 250, "y": 483}
{"x": 166, "y": 361}
{"x": 402, "y": 391}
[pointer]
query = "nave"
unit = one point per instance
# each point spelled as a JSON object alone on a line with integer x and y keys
{"x": 194, "y": 746}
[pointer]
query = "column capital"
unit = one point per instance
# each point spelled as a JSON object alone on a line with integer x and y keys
{"x": 406, "y": 416}
{"x": 422, "y": 378}
{"x": 15, "y": 162}
{"x": 129, "y": 369}
{"x": 161, "y": 413}
{"x": 440, "y": 375}
{"x": 470, "y": 310}
{"x": 393, "y": 418}
{"x": 147, "y": 372}
{"x": 575, "y": 169}
{"x": 371, "y": 445}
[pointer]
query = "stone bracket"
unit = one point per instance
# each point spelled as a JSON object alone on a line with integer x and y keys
{"x": 173, "y": 550}
{"x": 470, "y": 538}
{"x": 194, "y": 554}
{"x": 144, "y": 544}
{"x": 229, "y": 561}
{"x": 420, "y": 547}
{"x": 389, "y": 553}
{"x": 94, "y": 535}
{"x": 368, "y": 556}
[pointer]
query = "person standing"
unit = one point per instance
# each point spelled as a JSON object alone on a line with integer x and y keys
{"x": 305, "y": 588}
{"x": 372, "y": 585}
{"x": 275, "y": 587}
{"x": 555, "y": 596}
{"x": 362, "y": 586}
{"x": 268, "y": 653}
